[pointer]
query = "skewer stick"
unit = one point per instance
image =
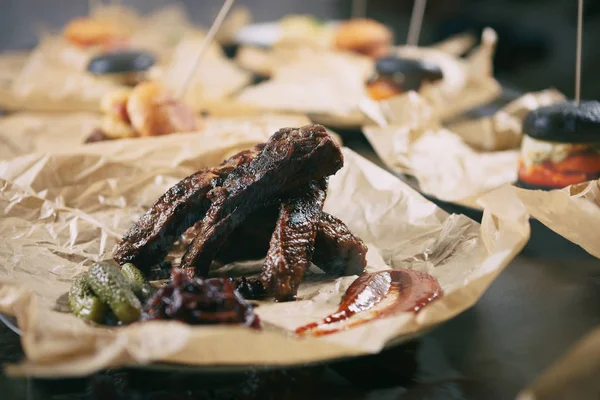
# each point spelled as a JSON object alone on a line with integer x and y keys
{"x": 359, "y": 8}
{"x": 578, "y": 56}
{"x": 416, "y": 20}
{"x": 91, "y": 7}
{"x": 205, "y": 44}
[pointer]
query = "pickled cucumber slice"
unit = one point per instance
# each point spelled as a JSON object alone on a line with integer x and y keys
{"x": 111, "y": 287}
{"x": 84, "y": 303}
{"x": 141, "y": 287}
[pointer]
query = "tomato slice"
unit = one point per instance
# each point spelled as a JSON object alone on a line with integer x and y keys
{"x": 587, "y": 161}
{"x": 382, "y": 89}
{"x": 548, "y": 176}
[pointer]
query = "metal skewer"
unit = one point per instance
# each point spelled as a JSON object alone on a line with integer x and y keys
{"x": 416, "y": 20}
{"x": 578, "y": 55}
{"x": 359, "y": 8}
{"x": 205, "y": 44}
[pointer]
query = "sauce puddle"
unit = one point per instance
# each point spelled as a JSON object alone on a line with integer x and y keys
{"x": 377, "y": 295}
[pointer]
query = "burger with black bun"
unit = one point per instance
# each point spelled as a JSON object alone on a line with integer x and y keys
{"x": 561, "y": 146}
{"x": 122, "y": 67}
{"x": 396, "y": 75}
{"x": 364, "y": 36}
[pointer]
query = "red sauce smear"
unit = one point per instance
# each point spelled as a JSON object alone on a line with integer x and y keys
{"x": 576, "y": 168}
{"x": 377, "y": 295}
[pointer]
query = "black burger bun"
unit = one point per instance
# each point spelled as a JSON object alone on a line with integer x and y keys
{"x": 407, "y": 73}
{"x": 121, "y": 62}
{"x": 566, "y": 122}
{"x": 524, "y": 185}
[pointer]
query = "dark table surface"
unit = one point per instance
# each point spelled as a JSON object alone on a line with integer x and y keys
{"x": 546, "y": 299}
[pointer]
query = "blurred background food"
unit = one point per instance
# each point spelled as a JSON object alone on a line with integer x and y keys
{"x": 536, "y": 37}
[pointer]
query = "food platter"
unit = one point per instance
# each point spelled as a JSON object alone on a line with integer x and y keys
{"x": 171, "y": 239}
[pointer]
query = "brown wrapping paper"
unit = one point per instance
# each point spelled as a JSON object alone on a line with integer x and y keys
{"x": 330, "y": 86}
{"x": 61, "y": 211}
{"x": 573, "y": 376}
{"x": 572, "y": 212}
{"x": 414, "y": 143}
{"x": 502, "y": 131}
{"x": 54, "y": 77}
{"x": 25, "y": 133}
{"x": 215, "y": 79}
{"x": 315, "y": 81}
{"x": 452, "y": 166}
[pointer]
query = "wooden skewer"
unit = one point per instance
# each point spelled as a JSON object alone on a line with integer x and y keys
{"x": 359, "y": 8}
{"x": 416, "y": 20}
{"x": 91, "y": 7}
{"x": 205, "y": 44}
{"x": 578, "y": 55}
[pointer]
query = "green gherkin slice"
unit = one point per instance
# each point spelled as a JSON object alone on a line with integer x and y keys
{"x": 141, "y": 287}
{"x": 84, "y": 303}
{"x": 111, "y": 287}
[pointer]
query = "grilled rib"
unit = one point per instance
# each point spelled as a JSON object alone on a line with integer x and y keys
{"x": 148, "y": 241}
{"x": 291, "y": 158}
{"x": 292, "y": 244}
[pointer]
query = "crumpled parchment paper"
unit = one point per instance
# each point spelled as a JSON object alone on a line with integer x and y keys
{"x": 59, "y": 212}
{"x": 54, "y": 77}
{"x": 503, "y": 129}
{"x": 572, "y": 212}
{"x": 456, "y": 166}
{"x": 414, "y": 143}
{"x": 330, "y": 86}
{"x": 24, "y": 133}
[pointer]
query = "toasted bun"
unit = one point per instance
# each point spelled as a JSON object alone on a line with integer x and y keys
{"x": 116, "y": 128}
{"x": 112, "y": 103}
{"x": 153, "y": 111}
{"x": 565, "y": 122}
{"x": 91, "y": 32}
{"x": 364, "y": 36}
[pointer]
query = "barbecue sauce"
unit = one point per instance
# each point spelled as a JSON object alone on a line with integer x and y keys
{"x": 377, "y": 295}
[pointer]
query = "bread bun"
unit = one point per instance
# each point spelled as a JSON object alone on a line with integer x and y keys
{"x": 116, "y": 128}
{"x": 154, "y": 111}
{"x": 566, "y": 122}
{"x": 364, "y": 36}
{"x": 92, "y": 32}
{"x": 115, "y": 104}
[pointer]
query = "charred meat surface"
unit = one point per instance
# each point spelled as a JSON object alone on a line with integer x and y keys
{"x": 290, "y": 159}
{"x": 200, "y": 302}
{"x": 292, "y": 244}
{"x": 249, "y": 241}
{"x": 249, "y": 288}
{"x": 148, "y": 241}
{"x": 337, "y": 250}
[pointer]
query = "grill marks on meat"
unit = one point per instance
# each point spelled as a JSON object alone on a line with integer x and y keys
{"x": 290, "y": 159}
{"x": 292, "y": 244}
{"x": 250, "y": 241}
{"x": 263, "y": 201}
{"x": 337, "y": 250}
{"x": 148, "y": 241}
